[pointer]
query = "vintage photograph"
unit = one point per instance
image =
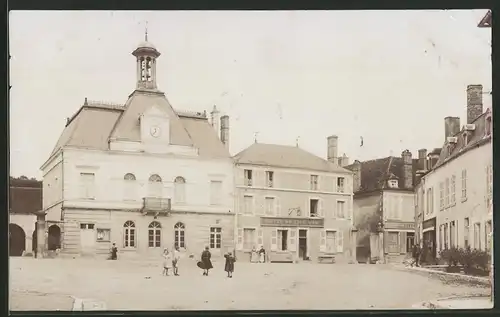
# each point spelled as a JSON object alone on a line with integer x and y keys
{"x": 250, "y": 160}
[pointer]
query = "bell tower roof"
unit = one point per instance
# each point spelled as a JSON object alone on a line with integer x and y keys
{"x": 146, "y": 48}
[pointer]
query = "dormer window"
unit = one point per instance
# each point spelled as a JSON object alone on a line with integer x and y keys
{"x": 466, "y": 138}
{"x": 393, "y": 183}
{"x": 488, "y": 125}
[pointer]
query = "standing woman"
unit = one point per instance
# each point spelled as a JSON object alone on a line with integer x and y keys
{"x": 229, "y": 267}
{"x": 205, "y": 259}
{"x": 114, "y": 252}
{"x": 262, "y": 254}
{"x": 167, "y": 262}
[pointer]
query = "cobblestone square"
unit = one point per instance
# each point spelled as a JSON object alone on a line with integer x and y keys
{"x": 48, "y": 284}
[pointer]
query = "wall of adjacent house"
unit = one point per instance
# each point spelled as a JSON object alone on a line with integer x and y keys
{"x": 473, "y": 203}
{"x": 399, "y": 205}
{"x": 366, "y": 209}
{"x": 291, "y": 191}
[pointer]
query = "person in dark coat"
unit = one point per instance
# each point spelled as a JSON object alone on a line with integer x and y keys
{"x": 229, "y": 267}
{"x": 205, "y": 259}
{"x": 114, "y": 252}
{"x": 415, "y": 253}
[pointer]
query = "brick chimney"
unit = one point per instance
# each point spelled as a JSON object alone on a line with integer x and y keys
{"x": 451, "y": 126}
{"x": 474, "y": 102}
{"x": 422, "y": 159}
{"x": 356, "y": 181}
{"x": 214, "y": 118}
{"x": 343, "y": 161}
{"x": 224, "y": 130}
{"x": 332, "y": 148}
{"x": 407, "y": 169}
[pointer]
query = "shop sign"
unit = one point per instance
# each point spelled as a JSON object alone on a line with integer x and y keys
{"x": 400, "y": 225}
{"x": 292, "y": 222}
{"x": 429, "y": 223}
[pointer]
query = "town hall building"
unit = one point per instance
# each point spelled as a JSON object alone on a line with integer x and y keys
{"x": 141, "y": 175}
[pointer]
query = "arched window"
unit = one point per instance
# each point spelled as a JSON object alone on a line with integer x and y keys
{"x": 179, "y": 190}
{"x": 129, "y": 187}
{"x": 179, "y": 235}
{"x": 154, "y": 234}
{"x": 155, "y": 186}
{"x": 129, "y": 234}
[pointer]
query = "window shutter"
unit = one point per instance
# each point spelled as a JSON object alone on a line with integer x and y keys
{"x": 292, "y": 240}
{"x": 340, "y": 241}
{"x": 274, "y": 240}
{"x": 322, "y": 241}
{"x": 239, "y": 245}
{"x": 347, "y": 185}
{"x": 260, "y": 237}
{"x": 277, "y": 211}
{"x": 240, "y": 173}
{"x": 259, "y": 205}
{"x": 321, "y": 212}
{"x": 402, "y": 241}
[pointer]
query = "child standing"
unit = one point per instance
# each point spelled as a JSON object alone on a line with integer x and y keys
{"x": 167, "y": 262}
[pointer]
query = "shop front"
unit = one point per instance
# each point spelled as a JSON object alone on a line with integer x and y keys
{"x": 399, "y": 237}
{"x": 429, "y": 236}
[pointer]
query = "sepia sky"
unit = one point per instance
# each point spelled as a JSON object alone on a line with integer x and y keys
{"x": 387, "y": 76}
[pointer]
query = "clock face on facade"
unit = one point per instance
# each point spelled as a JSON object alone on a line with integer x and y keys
{"x": 155, "y": 131}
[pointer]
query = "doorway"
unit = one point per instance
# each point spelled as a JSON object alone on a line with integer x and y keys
{"x": 54, "y": 238}
{"x": 410, "y": 241}
{"x": 17, "y": 240}
{"x": 303, "y": 244}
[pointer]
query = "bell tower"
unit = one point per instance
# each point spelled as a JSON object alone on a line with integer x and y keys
{"x": 146, "y": 55}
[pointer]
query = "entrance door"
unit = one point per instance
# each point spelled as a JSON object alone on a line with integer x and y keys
{"x": 410, "y": 241}
{"x": 87, "y": 237}
{"x": 303, "y": 244}
{"x": 393, "y": 242}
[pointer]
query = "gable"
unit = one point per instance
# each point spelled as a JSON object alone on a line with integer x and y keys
{"x": 128, "y": 126}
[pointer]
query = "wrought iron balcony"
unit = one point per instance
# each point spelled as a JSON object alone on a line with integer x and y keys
{"x": 156, "y": 204}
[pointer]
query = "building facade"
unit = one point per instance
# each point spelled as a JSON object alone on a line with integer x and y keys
{"x": 296, "y": 205}
{"x": 384, "y": 210}
{"x": 25, "y": 199}
{"x": 459, "y": 186}
{"x": 141, "y": 175}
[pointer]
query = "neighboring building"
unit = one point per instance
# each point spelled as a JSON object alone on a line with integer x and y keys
{"x": 295, "y": 204}
{"x": 459, "y": 208}
{"x": 384, "y": 206}
{"x": 142, "y": 175}
{"x": 25, "y": 199}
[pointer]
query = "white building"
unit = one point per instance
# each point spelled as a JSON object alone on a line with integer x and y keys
{"x": 141, "y": 175}
{"x": 458, "y": 188}
{"x": 295, "y": 204}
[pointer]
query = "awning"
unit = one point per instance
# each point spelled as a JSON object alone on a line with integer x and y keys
{"x": 429, "y": 229}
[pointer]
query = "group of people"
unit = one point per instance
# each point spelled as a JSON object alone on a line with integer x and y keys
{"x": 419, "y": 253}
{"x": 258, "y": 256}
{"x": 171, "y": 260}
{"x": 206, "y": 263}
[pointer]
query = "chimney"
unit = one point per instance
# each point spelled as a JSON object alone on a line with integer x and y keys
{"x": 356, "y": 178}
{"x": 451, "y": 126}
{"x": 343, "y": 161}
{"x": 224, "y": 131}
{"x": 422, "y": 159}
{"x": 214, "y": 118}
{"x": 474, "y": 102}
{"x": 332, "y": 149}
{"x": 407, "y": 169}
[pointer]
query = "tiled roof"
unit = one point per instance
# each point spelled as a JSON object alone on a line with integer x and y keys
{"x": 475, "y": 137}
{"x": 375, "y": 173}
{"x": 93, "y": 125}
{"x": 25, "y": 196}
{"x": 285, "y": 156}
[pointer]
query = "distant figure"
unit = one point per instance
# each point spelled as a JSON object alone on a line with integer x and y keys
{"x": 114, "y": 252}
{"x": 229, "y": 267}
{"x": 175, "y": 260}
{"x": 415, "y": 253}
{"x": 254, "y": 258}
{"x": 205, "y": 259}
{"x": 167, "y": 262}
{"x": 262, "y": 254}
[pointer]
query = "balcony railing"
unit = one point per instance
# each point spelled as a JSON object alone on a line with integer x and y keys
{"x": 156, "y": 204}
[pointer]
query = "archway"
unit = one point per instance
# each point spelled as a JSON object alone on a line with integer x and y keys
{"x": 54, "y": 238}
{"x": 17, "y": 240}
